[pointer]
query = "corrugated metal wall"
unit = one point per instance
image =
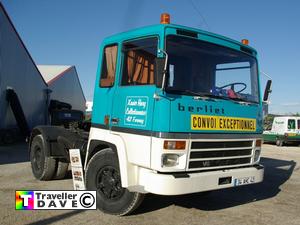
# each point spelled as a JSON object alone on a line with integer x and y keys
{"x": 18, "y": 71}
{"x": 67, "y": 89}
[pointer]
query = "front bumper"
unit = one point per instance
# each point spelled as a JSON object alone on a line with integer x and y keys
{"x": 168, "y": 184}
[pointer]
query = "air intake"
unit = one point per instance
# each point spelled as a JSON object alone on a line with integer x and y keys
{"x": 187, "y": 33}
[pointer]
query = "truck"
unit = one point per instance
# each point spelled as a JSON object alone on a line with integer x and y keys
{"x": 176, "y": 110}
{"x": 285, "y": 129}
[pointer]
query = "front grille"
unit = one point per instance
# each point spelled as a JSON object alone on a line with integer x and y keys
{"x": 220, "y": 162}
{"x": 223, "y": 153}
{"x": 219, "y": 153}
{"x": 231, "y": 144}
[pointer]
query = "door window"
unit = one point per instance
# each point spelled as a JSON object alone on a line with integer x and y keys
{"x": 109, "y": 63}
{"x": 139, "y": 58}
{"x": 291, "y": 124}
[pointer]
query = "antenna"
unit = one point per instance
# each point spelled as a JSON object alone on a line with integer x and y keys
{"x": 265, "y": 74}
{"x": 198, "y": 11}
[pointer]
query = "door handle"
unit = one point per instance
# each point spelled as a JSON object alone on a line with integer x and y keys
{"x": 115, "y": 120}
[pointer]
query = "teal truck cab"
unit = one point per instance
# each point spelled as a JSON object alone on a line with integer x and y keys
{"x": 176, "y": 110}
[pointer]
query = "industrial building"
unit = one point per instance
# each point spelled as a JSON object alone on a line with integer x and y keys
{"x": 19, "y": 72}
{"x": 64, "y": 84}
{"x": 25, "y": 93}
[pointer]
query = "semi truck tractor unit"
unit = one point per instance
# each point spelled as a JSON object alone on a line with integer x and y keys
{"x": 176, "y": 110}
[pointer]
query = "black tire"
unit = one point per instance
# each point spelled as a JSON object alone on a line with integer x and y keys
{"x": 103, "y": 175}
{"x": 61, "y": 169}
{"x": 279, "y": 142}
{"x": 43, "y": 167}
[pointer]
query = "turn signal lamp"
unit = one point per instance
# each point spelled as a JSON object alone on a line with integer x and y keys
{"x": 174, "y": 145}
{"x": 245, "y": 42}
{"x": 165, "y": 18}
{"x": 106, "y": 120}
{"x": 258, "y": 143}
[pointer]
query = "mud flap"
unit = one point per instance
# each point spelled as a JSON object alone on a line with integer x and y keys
{"x": 77, "y": 170}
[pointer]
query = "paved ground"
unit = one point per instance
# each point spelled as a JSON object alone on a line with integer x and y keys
{"x": 275, "y": 201}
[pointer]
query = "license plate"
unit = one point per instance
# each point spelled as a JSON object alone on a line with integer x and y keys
{"x": 244, "y": 181}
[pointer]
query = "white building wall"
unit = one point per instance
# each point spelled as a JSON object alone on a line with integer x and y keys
{"x": 17, "y": 70}
{"x": 89, "y": 106}
{"x": 67, "y": 88}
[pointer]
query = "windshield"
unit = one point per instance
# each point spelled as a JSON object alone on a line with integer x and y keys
{"x": 200, "y": 68}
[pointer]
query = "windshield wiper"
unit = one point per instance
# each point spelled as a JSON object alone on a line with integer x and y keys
{"x": 205, "y": 94}
{"x": 178, "y": 91}
{"x": 242, "y": 100}
{"x": 200, "y": 94}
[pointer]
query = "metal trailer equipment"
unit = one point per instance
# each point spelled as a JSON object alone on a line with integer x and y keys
{"x": 176, "y": 110}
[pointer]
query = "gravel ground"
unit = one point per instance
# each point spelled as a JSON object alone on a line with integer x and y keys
{"x": 275, "y": 201}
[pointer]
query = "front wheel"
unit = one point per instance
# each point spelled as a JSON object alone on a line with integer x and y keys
{"x": 103, "y": 175}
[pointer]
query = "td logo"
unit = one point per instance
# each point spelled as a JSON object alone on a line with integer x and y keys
{"x": 24, "y": 200}
{"x": 39, "y": 200}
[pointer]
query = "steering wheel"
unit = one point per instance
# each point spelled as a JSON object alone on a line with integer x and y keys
{"x": 232, "y": 86}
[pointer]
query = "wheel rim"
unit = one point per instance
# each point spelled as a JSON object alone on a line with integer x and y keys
{"x": 37, "y": 158}
{"x": 108, "y": 183}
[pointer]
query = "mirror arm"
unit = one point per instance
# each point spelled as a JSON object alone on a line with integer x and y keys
{"x": 165, "y": 69}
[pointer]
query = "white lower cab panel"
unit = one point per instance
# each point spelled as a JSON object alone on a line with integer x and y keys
{"x": 167, "y": 184}
{"x": 137, "y": 147}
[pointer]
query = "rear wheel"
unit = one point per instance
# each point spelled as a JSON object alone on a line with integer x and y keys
{"x": 279, "y": 142}
{"x": 103, "y": 175}
{"x": 61, "y": 169}
{"x": 43, "y": 167}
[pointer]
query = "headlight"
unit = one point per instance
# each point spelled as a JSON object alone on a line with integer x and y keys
{"x": 256, "y": 155}
{"x": 169, "y": 160}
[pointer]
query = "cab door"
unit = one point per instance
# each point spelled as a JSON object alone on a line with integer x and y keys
{"x": 105, "y": 85}
{"x": 133, "y": 102}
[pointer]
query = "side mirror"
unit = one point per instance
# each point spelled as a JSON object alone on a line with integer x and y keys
{"x": 159, "y": 70}
{"x": 267, "y": 90}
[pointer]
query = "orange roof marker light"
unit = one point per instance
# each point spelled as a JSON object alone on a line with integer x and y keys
{"x": 165, "y": 18}
{"x": 245, "y": 42}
